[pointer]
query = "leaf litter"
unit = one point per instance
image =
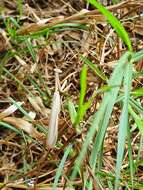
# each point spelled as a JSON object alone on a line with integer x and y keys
{"x": 49, "y": 35}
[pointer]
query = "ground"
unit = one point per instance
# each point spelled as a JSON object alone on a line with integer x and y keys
{"x": 37, "y": 37}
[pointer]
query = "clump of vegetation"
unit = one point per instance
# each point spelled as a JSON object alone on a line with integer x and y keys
{"x": 71, "y": 95}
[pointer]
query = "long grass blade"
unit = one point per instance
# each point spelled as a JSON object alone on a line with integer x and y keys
{"x": 110, "y": 97}
{"x": 118, "y": 72}
{"x": 114, "y": 22}
{"x": 83, "y": 87}
{"x": 131, "y": 162}
{"x": 60, "y": 168}
{"x": 72, "y": 111}
{"x": 123, "y": 122}
{"x": 93, "y": 66}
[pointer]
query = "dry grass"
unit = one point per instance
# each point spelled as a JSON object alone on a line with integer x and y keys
{"x": 27, "y": 81}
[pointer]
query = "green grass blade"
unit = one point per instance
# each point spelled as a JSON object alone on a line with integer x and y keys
{"x": 60, "y": 168}
{"x": 138, "y": 92}
{"x": 137, "y": 56}
{"x": 137, "y": 119}
{"x": 131, "y": 162}
{"x": 123, "y": 123}
{"x": 15, "y": 79}
{"x": 110, "y": 97}
{"x": 36, "y": 86}
{"x": 87, "y": 104}
{"x": 83, "y": 87}
{"x": 69, "y": 25}
{"x": 97, "y": 71}
{"x": 20, "y": 7}
{"x": 83, "y": 84}
{"x": 72, "y": 111}
{"x": 114, "y": 22}
{"x": 14, "y": 21}
{"x": 139, "y": 123}
{"x": 30, "y": 48}
{"x": 136, "y": 105}
{"x": 119, "y": 71}
{"x": 137, "y": 74}
{"x": 140, "y": 148}
{"x": 11, "y": 31}
{"x": 21, "y": 109}
{"x": 8, "y": 126}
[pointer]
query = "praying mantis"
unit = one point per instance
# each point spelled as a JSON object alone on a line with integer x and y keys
{"x": 55, "y": 110}
{"x": 56, "y": 107}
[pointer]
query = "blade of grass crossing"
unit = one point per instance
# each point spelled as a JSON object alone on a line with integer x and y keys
{"x": 6, "y": 125}
{"x": 114, "y": 22}
{"x": 140, "y": 148}
{"x": 97, "y": 71}
{"x": 136, "y": 105}
{"x": 60, "y": 168}
{"x": 20, "y": 108}
{"x": 137, "y": 56}
{"x": 18, "y": 81}
{"x": 110, "y": 97}
{"x": 88, "y": 140}
{"x": 138, "y": 120}
{"x": 98, "y": 116}
{"x": 30, "y": 48}
{"x": 131, "y": 162}
{"x": 123, "y": 122}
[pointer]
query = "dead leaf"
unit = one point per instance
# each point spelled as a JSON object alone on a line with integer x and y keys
{"x": 24, "y": 125}
{"x": 11, "y": 109}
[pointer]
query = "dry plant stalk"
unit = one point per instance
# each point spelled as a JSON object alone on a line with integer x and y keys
{"x": 83, "y": 16}
{"x": 55, "y": 110}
